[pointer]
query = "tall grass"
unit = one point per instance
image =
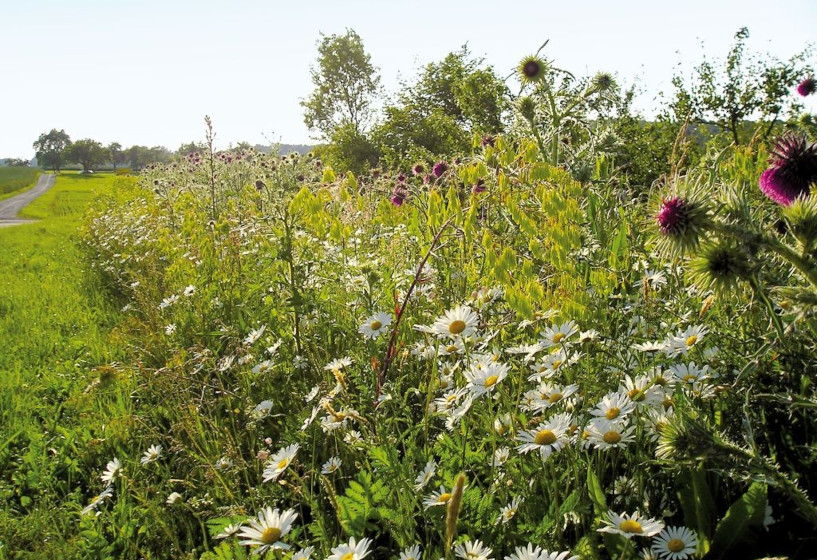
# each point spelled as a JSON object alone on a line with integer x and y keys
{"x": 13, "y": 179}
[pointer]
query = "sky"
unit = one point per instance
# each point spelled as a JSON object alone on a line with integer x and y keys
{"x": 147, "y": 71}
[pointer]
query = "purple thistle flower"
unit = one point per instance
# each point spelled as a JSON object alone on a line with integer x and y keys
{"x": 807, "y": 86}
{"x": 480, "y": 186}
{"x": 488, "y": 140}
{"x": 401, "y": 178}
{"x": 792, "y": 169}
{"x": 398, "y": 197}
{"x": 418, "y": 169}
{"x": 439, "y": 168}
{"x": 673, "y": 215}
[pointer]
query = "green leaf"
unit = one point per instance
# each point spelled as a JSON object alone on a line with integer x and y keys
{"x": 596, "y": 493}
{"x": 697, "y": 503}
{"x": 735, "y": 527}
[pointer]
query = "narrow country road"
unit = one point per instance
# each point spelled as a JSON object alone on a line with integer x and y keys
{"x": 10, "y": 207}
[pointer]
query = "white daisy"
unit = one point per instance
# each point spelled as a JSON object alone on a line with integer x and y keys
{"x": 331, "y": 465}
{"x": 604, "y": 433}
{"x": 101, "y": 497}
{"x": 338, "y": 364}
{"x": 189, "y": 291}
{"x": 500, "y": 456}
{"x": 535, "y": 553}
{"x": 437, "y": 498}
{"x": 113, "y": 470}
{"x": 375, "y": 325}
{"x": 473, "y": 551}
{"x": 425, "y": 475}
{"x": 483, "y": 378}
{"x": 266, "y": 531}
{"x": 554, "y": 334}
{"x": 631, "y": 525}
{"x": 642, "y": 391}
{"x": 229, "y": 531}
{"x": 460, "y": 322}
{"x": 173, "y": 498}
{"x": 254, "y": 335}
{"x": 657, "y": 346}
{"x": 451, "y": 348}
{"x": 689, "y": 373}
{"x": 675, "y": 543}
{"x": 303, "y": 554}
{"x": 279, "y": 462}
{"x": 351, "y": 551}
{"x": 170, "y": 329}
{"x": 153, "y": 453}
{"x": 613, "y": 406}
{"x": 547, "y": 437}
{"x": 411, "y": 553}
{"x": 507, "y": 512}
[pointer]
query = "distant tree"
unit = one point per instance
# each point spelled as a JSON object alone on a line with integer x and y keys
{"x": 88, "y": 153}
{"x": 191, "y": 148}
{"x": 17, "y": 162}
{"x": 116, "y": 155}
{"x": 351, "y": 150}
{"x": 51, "y": 148}
{"x": 346, "y": 84}
{"x": 141, "y": 156}
{"x": 748, "y": 87}
{"x": 438, "y": 114}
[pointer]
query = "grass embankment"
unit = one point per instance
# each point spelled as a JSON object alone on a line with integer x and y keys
{"x": 55, "y": 327}
{"x": 14, "y": 180}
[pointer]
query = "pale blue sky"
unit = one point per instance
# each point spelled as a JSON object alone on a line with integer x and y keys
{"x": 147, "y": 71}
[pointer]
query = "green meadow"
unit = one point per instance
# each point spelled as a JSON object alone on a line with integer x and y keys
{"x": 13, "y": 179}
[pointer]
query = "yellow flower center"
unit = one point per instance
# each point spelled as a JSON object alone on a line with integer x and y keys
{"x": 444, "y": 497}
{"x": 660, "y": 381}
{"x": 557, "y": 338}
{"x": 637, "y": 394}
{"x": 631, "y": 526}
{"x": 452, "y": 348}
{"x": 544, "y": 437}
{"x": 491, "y": 381}
{"x": 557, "y": 363}
{"x": 348, "y": 556}
{"x": 456, "y": 327}
{"x": 676, "y": 545}
{"x": 611, "y": 437}
{"x": 612, "y": 412}
{"x": 282, "y": 464}
{"x": 554, "y": 397}
{"x": 691, "y": 340}
{"x": 270, "y": 535}
{"x": 668, "y": 403}
{"x": 689, "y": 377}
{"x": 375, "y": 326}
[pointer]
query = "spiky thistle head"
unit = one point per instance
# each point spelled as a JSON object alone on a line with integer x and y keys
{"x": 807, "y": 86}
{"x": 801, "y": 220}
{"x": 686, "y": 438}
{"x": 531, "y": 69}
{"x": 720, "y": 266}
{"x": 527, "y": 108}
{"x": 683, "y": 218}
{"x": 439, "y": 169}
{"x": 792, "y": 169}
{"x": 603, "y": 81}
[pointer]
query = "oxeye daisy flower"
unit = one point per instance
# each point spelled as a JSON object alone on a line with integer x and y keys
{"x": 266, "y": 531}
{"x": 483, "y": 378}
{"x": 546, "y": 438}
{"x": 352, "y": 550}
{"x": 375, "y": 325}
{"x": 254, "y": 335}
{"x": 279, "y": 462}
{"x": 229, "y": 531}
{"x": 535, "y": 553}
{"x": 153, "y": 453}
{"x": 631, "y": 525}
{"x": 473, "y": 550}
{"x": 101, "y": 497}
{"x": 331, "y": 465}
{"x": 506, "y": 513}
{"x": 113, "y": 470}
{"x": 614, "y": 406}
{"x": 500, "y": 457}
{"x": 604, "y": 434}
{"x": 548, "y": 395}
{"x": 675, "y": 543}
{"x": 303, "y": 554}
{"x": 460, "y": 322}
{"x": 683, "y": 341}
{"x": 690, "y": 373}
{"x": 425, "y": 475}
{"x": 557, "y": 334}
{"x": 173, "y": 498}
{"x": 449, "y": 399}
{"x": 657, "y": 346}
{"x": 451, "y": 348}
{"x": 411, "y": 553}
{"x": 641, "y": 390}
{"x": 437, "y": 498}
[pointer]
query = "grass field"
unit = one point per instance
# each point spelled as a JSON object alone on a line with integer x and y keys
{"x": 55, "y": 326}
{"x": 14, "y": 179}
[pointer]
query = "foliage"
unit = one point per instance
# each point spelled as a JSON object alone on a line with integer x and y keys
{"x": 345, "y": 85}
{"x": 116, "y": 155}
{"x": 88, "y": 153}
{"x": 12, "y": 179}
{"x": 51, "y": 147}
{"x": 747, "y": 87}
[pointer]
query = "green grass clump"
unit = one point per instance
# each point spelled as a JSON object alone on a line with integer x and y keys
{"x": 14, "y": 179}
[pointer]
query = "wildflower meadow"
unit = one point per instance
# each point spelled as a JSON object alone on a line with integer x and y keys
{"x": 509, "y": 352}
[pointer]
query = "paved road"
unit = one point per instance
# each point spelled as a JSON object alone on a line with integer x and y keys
{"x": 10, "y": 207}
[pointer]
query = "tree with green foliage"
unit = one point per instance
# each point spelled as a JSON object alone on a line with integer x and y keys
{"x": 116, "y": 155}
{"x": 16, "y": 162}
{"x": 141, "y": 156}
{"x": 51, "y": 148}
{"x": 438, "y": 114}
{"x": 346, "y": 84}
{"x": 88, "y": 153}
{"x": 749, "y": 87}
